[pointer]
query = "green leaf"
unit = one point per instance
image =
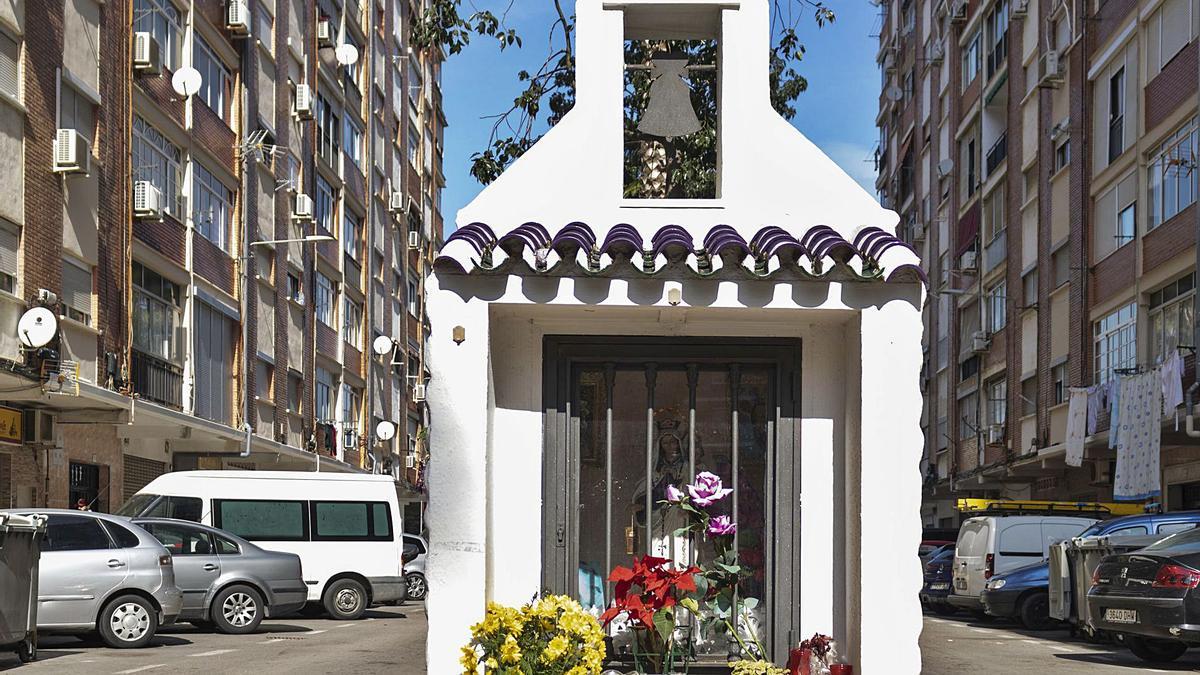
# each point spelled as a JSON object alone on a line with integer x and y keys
{"x": 664, "y": 623}
{"x": 750, "y": 603}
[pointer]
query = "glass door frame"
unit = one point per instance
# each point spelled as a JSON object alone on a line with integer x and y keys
{"x": 561, "y": 460}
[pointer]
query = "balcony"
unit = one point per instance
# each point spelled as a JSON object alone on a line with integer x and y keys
{"x": 157, "y": 380}
{"x": 996, "y": 154}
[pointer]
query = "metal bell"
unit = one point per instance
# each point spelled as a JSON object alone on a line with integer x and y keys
{"x": 669, "y": 113}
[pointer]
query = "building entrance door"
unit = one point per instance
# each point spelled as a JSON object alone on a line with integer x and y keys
{"x": 629, "y": 417}
{"x": 85, "y": 485}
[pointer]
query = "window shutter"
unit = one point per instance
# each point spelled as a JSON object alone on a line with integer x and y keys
{"x": 10, "y": 55}
{"x": 77, "y": 287}
{"x": 10, "y": 240}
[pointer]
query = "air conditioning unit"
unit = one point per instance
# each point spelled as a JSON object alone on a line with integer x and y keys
{"x": 967, "y": 263}
{"x": 414, "y": 240}
{"x": 37, "y": 426}
{"x": 918, "y": 231}
{"x": 397, "y": 201}
{"x": 302, "y": 208}
{"x": 995, "y": 434}
{"x": 418, "y": 393}
{"x": 303, "y": 107}
{"x": 237, "y": 17}
{"x": 410, "y": 461}
{"x": 1062, "y": 127}
{"x": 146, "y": 55}
{"x": 889, "y": 60}
{"x": 958, "y": 11}
{"x": 980, "y": 342}
{"x": 937, "y": 52}
{"x": 1050, "y": 67}
{"x": 46, "y": 297}
{"x": 147, "y": 200}
{"x": 324, "y": 33}
{"x": 71, "y": 152}
{"x": 1020, "y": 9}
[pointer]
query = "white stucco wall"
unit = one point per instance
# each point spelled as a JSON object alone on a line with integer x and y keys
{"x": 487, "y": 429}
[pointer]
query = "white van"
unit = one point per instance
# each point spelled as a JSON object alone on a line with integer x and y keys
{"x": 990, "y": 545}
{"x": 346, "y": 528}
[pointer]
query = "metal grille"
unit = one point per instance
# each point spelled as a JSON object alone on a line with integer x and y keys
{"x": 139, "y": 471}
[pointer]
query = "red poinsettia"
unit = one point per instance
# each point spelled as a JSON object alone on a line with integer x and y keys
{"x": 659, "y": 586}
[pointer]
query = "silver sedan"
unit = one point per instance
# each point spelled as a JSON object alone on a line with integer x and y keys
{"x": 228, "y": 582}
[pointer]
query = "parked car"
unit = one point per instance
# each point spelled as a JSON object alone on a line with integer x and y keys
{"x": 344, "y": 527}
{"x": 414, "y": 570}
{"x": 930, "y": 546}
{"x": 991, "y": 545}
{"x": 1023, "y": 593}
{"x": 1149, "y": 597}
{"x": 939, "y": 573}
{"x": 102, "y": 573}
{"x": 228, "y": 582}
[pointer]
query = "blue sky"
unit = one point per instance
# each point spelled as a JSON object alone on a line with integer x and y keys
{"x": 837, "y": 112}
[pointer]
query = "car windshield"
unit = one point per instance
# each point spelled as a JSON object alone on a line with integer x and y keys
{"x": 136, "y": 505}
{"x": 1187, "y": 541}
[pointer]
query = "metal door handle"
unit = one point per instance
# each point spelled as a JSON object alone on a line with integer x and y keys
{"x": 209, "y": 567}
{"x": 114, "y": 563}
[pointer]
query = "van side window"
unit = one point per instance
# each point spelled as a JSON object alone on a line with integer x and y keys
{"x": 184, "y": 508}
{"x": 74, "y": 533}
{"x": 262, "y": 520}
{"x": 1171, "y": 528}
{"x": 1022, "y": 539}
{"x": 1131, "y": 531}
{"x": 351, "y": 521}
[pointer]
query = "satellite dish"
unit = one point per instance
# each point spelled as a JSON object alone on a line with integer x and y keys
{"x": 945, "y": 166}
{"x": 37, "y": 327}
{"x": 385, "y": 430}
{"x": 346, "y": 54}
{"x": 894, "y": 93}
{"x": 383, "y": 345}
{"x": 186, "y": 81}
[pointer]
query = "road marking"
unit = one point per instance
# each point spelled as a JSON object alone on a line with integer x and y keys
{"x": 141, "y": 669}
{"x": 215, "y": 652}
{"x": 345, "y": 625}
{"x": 315, "y": 632}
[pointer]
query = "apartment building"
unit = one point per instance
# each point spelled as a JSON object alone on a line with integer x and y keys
{"x": 228, "y": 206}
{"x": 1042, "y": 156}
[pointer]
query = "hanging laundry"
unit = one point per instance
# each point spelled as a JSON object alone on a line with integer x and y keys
{"x": 1077, "y": 414}
{"x": 1172, "y": 382}
{"x": 1113, "y": 396}
{"x": 1139, "y": 437}
{"x": 1095, "y": 403}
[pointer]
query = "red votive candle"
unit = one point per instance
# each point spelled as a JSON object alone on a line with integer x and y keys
{"x": 798, "y": 659}
{"x": 841, "y": 669}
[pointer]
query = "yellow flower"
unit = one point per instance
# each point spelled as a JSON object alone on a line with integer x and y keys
{"x": 469, "y": 660}
{"x": 491, "y": 664}
{"x": 510, "y": 651}
{"x": 557, "y": 647}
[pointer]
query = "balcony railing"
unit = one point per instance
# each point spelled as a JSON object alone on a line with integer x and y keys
{"x": 996, "y": 154}
{"x": 157, "y": 380}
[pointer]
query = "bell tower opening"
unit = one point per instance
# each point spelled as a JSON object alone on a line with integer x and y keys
{"x": 672, "y": 104}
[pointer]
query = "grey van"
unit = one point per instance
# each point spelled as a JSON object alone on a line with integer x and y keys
{"x": 103, "y": 573}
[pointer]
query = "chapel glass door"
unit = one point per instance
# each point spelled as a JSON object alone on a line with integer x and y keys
{"x": 637, "y": 416}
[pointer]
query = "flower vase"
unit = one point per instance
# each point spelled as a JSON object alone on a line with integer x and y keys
{"x": 799, "y": 661}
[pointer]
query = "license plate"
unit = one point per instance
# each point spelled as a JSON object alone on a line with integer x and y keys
{"x": 1120, "y": 615}
{"x": 960, "y": 584}
{"x": 939, "y": 587}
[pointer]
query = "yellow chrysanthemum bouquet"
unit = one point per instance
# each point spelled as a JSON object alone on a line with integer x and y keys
{"x": 552, "y": 636}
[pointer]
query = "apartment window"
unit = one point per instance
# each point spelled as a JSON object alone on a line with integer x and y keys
{"x": 968, "y": 369}
{"x": 157, "y": 313}
{"x": 324, "y": 204}
{"x": 997, "y": 32}
{"x": 352, "y": 235}
{"x": 413, "y": 294}
{"x": 157, "y": 160}
{"x": 294, "y": 290}
{"x": 10, "y": 65}
{"x": 972, "y": 162}
{"x": 213, "y": 356}
{"x": 10, "y": 256}
{"x": 1173, "y": 175}
{"x": 264, "y": 380}
{"x": 1115, "y": 338}
{"x": 350, "y": 407}
{"x": 264, "y": 27}
{"x": 325, "y": 301}
{"x": 324, "y": 396}
{"x": 1030, "y": 285}
{"x": 75, "y": 111}
{"x": 993, "y": 214}
{"x": 414, "y": 146}
{"x": 161, "y": 19}
{"x": 216, "y": 84}
{"x": 295, "y": 391}
{"x": 353, "y": 141}
{"x": 328, "y": 131}
{"x": 968, "y": 412}
{"x": 1029, "y": 396}
{"x": 1058, "y": 374}
{"x": 77, "y": 291}
{"x": 1061, "y": 262}
{"x": 415, "y": 81}
{"x": 997, "y": 401}
{"x": 352, "y": 324}
{"x": 353, "y": 72}
{"x": 1169, "y": 31}
{"x": 1172, "y": 317}
{"x": 971, "y": 60}
{"x": 996, "y": 306}
{"x": 1116, "y": 114}
{"x": 1062, "y": 155}
{"x": 213, "y": 206}
{"x": 1116, "y": 218}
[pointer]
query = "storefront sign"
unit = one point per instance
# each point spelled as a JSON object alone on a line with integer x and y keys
{"x": 10, "y": 425}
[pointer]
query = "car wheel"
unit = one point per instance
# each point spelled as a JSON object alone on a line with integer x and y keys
{"x": 237, "y": 610}
{"x": 127, "y": 622}
{"x": 416, "y": 586}
{"x": 345, "y": 600}
{"x": 1035, "y": 612}
{"x": 1155, "y": 651}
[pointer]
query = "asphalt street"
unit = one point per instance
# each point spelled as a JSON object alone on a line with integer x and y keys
{"x": 963, "y": 645}
{"x": 390, "y": 640}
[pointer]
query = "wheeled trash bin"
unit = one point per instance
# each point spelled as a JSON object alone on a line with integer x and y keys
{"x": 20, "y": 550}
